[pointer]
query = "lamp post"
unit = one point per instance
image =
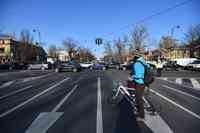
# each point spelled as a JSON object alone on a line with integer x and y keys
{"x": 172, "y": 36}
{"x": 39, "y": 35}
{"x": 39, "y": 42}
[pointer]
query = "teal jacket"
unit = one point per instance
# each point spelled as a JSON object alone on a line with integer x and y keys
{"x": 139, "y": 71}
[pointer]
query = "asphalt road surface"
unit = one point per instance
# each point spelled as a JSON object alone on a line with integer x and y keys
{"x": 49, "y": 102}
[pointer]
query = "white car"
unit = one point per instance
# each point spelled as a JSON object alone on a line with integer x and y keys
{"x": 86, "y": 65}
{"x": 194, "y": 65}
{"x": 41, "y": 66}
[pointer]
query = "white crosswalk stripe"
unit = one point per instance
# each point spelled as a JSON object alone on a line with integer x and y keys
{"x": 195, "y": 83}
{"x": 190, "y": 82}
{"x": 179, "y": 80}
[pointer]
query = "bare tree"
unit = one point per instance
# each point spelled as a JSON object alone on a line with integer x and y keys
{"x": 85, "y": 55}
{"x": 138, "y": 37}
{"x": 193, "y": 38}
{"x": 193, "y": 34}
{"x": 70, "y": 45}
{"x": 52, "y": 51}
{"x": 26, "y": 37}
{"x": 120, "y": 49}
{"x": 108, "y": 50}
{"x": 25, "y": 51}
{"x": 166, "y": 42}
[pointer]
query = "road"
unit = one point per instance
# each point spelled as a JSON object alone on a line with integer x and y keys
{"x": 49, "y": 102}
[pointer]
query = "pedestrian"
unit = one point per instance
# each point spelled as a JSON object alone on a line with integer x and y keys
{"x": 137, "y": 76}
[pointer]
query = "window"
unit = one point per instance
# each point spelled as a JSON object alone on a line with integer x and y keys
{"x": 1, "y": 50}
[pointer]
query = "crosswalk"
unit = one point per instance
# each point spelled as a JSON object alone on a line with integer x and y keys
{"x": 184, "y": 81}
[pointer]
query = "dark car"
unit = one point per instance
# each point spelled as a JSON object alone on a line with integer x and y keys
{"x": 171, "y": 65}
{"x": 68, "y": 66}
{"x": 5, "y": 66}
{"x": 99, "y": 66}
{"x": 113, "y": 65}
{"x": 19, "y": 66}
{"x": 125, "y": 66}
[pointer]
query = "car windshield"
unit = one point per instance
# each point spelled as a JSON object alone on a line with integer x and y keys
{"x": 100, "y": 66}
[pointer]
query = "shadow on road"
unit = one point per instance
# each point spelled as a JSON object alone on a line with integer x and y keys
{"x": 126, "y": 122}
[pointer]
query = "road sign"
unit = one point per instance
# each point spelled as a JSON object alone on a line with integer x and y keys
{"x": 98, "y": 41}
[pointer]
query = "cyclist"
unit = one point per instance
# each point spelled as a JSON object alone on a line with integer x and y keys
{"x": 137, "y": 76}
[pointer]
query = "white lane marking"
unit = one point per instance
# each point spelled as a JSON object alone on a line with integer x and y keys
{"x": 34, "y": 78}
{"x": 165, "y": 78}
{"x": 64, "y": 99}
{"x": 177, "y": 105}
{"x": 99, "y": 123}
{"x": 15, "y": 92}
{"x": 187, "y": 94}
{"x": 157, "y": 124}
{"x": 46, "y": 119}
{"x": 180, "y": 84}
{"x": 179, "y": 80}
{"x": 32, "y": 98}
{"x": 7, "y": 84}
{"x": 43, "y": 122}
{"x": 195, "y": 83}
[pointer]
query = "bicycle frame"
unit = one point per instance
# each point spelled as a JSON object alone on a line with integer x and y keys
{"x": 125, "y": 91}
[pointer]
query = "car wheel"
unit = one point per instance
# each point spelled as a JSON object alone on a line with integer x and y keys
{"x": 56, "y": 70}
{"x": 75, "y": 69}
{"x": 42, "y": 68}
{"x": 10, "y": 68}
{"x": 124, "y": 68}
{"x": 117, "y": 67}
{"x": 91, "y": 68}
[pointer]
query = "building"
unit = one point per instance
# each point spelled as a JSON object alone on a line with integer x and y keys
{"x": 179, "y": 52}
{"x": 194, "y": 49}
{"x": 8, "y": 47}
{"x": 62, "y": 55}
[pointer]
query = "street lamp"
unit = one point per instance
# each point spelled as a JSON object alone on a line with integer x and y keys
{"x": 173, "y": 28}
{"x": 39, "y": 35}
{"x": 172, "y": 34}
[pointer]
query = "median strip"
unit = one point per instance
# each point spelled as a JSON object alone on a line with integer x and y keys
{"x": 32, "y": 98}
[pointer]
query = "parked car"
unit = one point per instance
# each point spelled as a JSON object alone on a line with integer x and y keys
{"x": 86, "y": 65}
{"x": 5, "y": 66}
{"x": 68, "y": 66}
{"x": 36, "y": 65}
{"x": 171, "y": 65}
{"x": 18, "y": 66}
{"x": 194, "y": 65}
{"x": 99, "y": 66}
{"x": 125, "y": 66}
{"x": 113, "y": 65}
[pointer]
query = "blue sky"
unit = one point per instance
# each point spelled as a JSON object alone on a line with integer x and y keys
{"x": 86, "y": 19}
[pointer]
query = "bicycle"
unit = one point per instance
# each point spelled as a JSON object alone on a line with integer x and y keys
{"x": 121, "y": 91}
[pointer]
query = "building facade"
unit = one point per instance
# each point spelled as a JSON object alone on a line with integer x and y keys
{"x": 62, "y": 55}
{"x": 8, "y": 47}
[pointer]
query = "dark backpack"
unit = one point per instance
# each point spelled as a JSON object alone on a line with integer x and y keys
{"x": 148, "y": 74}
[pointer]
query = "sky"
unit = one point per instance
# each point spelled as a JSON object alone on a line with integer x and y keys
{"x": 84, "y": 20}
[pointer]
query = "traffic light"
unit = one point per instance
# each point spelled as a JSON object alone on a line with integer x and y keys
{"x": 98, "y": 41}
